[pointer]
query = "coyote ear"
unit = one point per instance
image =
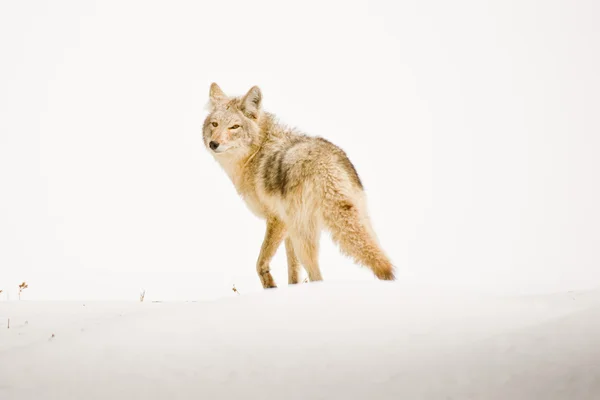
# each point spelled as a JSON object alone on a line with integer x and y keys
{"x": 251, "y": 103}
{"x": 216, "y": 95}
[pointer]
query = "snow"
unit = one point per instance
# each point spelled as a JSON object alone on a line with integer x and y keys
{"x": 359, "y": 340}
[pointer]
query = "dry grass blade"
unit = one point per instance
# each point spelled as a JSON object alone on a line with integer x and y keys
{"x": 22, "y": 287}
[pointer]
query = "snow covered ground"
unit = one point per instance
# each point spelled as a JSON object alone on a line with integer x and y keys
{"x": 364, "y": 340}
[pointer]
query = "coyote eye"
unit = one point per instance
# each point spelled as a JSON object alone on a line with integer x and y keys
{"x": 235, "y": 127}
{"x": 215, "y": 124}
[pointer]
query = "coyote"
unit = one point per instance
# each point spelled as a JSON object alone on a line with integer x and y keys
{"x": 299, "y": 184}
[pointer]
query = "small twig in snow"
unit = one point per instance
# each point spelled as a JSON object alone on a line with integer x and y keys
{"x": 22, "y": 287}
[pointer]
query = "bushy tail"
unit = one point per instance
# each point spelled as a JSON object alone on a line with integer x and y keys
{"x": 350, "y": 228}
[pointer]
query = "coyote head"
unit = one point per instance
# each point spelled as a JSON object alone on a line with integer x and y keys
{"x": 232, "y": 125}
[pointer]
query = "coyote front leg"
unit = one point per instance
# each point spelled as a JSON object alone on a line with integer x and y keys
{"x": 273, "y": 238}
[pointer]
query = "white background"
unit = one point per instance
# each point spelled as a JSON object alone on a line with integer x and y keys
{"x": 474, "y": 126}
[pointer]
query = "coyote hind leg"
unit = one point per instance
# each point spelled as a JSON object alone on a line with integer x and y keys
{"x": 293, "y": 263}
{"x": 305, "y": 241}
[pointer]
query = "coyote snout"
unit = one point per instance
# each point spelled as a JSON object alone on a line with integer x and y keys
{"x": 299, "y": 184}
{"x": 217, "y": 147}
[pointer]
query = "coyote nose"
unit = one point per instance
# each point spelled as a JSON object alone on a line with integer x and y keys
{"x": 213, "y": 145}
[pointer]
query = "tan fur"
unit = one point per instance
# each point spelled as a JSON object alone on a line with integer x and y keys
{"x": 297, "y": 183}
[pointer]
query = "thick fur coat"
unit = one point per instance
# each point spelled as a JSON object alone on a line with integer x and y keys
{"x": 298, "y": 184}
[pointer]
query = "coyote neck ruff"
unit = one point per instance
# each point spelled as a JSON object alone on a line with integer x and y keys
{"x": 298, "y": 184}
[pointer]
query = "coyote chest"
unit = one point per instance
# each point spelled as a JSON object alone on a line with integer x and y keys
{"x": 260, "y": 204}
{"x": 255, "y": 205}
{"x": 246, "y": 190}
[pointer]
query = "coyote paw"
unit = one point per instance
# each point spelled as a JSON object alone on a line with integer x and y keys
{"x": 267, "y": 280}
